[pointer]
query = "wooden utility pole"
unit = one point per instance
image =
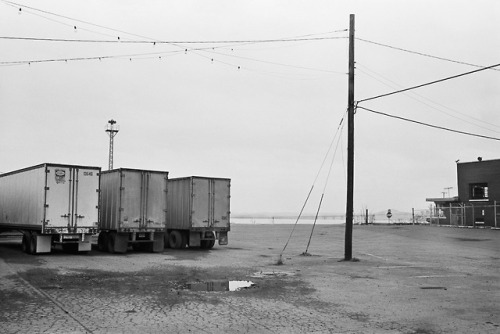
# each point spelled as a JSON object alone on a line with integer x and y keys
{"x": 350, "y": 147}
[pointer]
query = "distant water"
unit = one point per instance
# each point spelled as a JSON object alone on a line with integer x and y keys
{"x": 320, "y": 221}
{"x": 257, "y": 221}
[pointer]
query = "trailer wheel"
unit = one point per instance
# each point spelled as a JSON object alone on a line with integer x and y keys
{"x": 207, "y": 244}
{"x": 176, "y": 240}
{"x": 165, "y": 240}
{"x": 26, "y": 243}
{"x": 102, "y": 242}
{"x": 32, "y": 249}
{"x": 110, "y": 242}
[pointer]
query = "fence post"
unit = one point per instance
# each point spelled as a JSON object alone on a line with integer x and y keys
{"x": 450, "y": 216}
{"x": 495, "y": 212}
{"x": 473, "y": 219}
{"x": 463, "y": 214}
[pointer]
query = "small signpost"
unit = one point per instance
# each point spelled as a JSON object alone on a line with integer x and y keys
{"x": 389, "y": 215}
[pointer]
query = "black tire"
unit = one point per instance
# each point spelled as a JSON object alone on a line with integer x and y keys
{"x": 176, "y": 240}
{"x": 207, "y": 244}
{"x": 25, "y": 246}
{"x": 102, "y": 242}
{"x": 165, "y": 240}
{"x": 32, "y": 248}
{"x": 211, "y": 244}
{"x": 110, "y": 242}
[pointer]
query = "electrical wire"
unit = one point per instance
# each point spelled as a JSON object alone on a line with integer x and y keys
{"x": 193, "y": 50}
{"x": 54, "y": 60}
{"x": 14, "y": 4}
{"x": 427, "y": 124}
{"x": 256, "y": 41}
{"x": 361, "y": 68}
{"x": 179, "y": 44}
{"x": 429, "y": 83}
{"x": 279, "y": 64}
{"x": 421, "y": 53}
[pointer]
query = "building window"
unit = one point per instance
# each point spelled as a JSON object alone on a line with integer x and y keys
{"x": 479, "y": 191}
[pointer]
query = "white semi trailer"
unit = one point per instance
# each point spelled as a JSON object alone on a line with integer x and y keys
{"x": 198, "y": 212}
{"x": 51, "y": 204}
{"x": 133, "y": 210}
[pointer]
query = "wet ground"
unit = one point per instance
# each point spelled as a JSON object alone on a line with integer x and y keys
{"x": 409, "y": 279}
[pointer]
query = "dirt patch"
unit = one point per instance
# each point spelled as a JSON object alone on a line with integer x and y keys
{"x": 169, "y": 285}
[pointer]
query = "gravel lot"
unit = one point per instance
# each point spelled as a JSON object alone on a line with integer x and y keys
{"x": 409, "y": 279}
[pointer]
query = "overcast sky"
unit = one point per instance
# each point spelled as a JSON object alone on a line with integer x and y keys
{"x": 262, "y": 114}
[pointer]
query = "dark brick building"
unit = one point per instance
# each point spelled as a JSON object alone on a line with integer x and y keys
{"x": 479, "y": 188}
{"x": 478, "y": 201}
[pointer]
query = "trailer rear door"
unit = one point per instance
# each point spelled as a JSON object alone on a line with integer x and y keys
{"x": 131, "y": 198}
{"x": 220, "y": 204}
{"x": 86, "y": 197}
{"x": 59, "y": 191}
{"x": 71, "y": 196}
{"x": 210, "y": 202}
{"x": 155, "y": 202}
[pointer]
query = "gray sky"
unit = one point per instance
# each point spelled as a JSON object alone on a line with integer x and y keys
{"x": 262, "y": 114}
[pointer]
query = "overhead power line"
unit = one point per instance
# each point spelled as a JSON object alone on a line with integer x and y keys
{"x": 428, "y": 102}
{"x": 429, "y": 83}
{"x": 256, "y": 41}
{"x": 427, "y": 124}
{"x": 422, "y": 54}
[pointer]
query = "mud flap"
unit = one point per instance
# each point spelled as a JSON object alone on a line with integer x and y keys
{"x": 222, "y": 238}
{"x": 43, "y": 243}
{"x": 159, "y": 242}
{"x": 194, "y": 239}
{"x": 121, "y": 243}
{"x": 85, "y": 245}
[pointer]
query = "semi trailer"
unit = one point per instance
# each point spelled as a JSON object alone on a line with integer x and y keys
{"x": 133, "y": 210}
{"x": 198, "y": 212}
{"x": 51, "y": 204}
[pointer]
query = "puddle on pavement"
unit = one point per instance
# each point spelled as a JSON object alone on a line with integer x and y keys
{"x": 219, "y": 286}
{"x": 263, "y": 274}
{"x": 433, "y": 288}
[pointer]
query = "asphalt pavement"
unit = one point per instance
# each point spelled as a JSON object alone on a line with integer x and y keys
{"x": 406, "y": 279}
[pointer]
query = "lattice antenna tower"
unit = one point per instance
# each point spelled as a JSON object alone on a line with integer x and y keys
{"x": 112, "y": 129}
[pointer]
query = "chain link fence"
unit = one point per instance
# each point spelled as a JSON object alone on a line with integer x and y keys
{"x": 466, "y": 215}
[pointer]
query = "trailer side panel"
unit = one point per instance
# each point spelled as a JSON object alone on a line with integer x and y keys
{"x": 22, "y": 199}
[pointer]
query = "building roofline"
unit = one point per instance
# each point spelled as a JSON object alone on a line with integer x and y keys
{"x": 478, "y": 161}
{"x": 442, "y": 199}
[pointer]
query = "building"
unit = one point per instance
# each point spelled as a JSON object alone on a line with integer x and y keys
{"x": 478, "y": 201}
